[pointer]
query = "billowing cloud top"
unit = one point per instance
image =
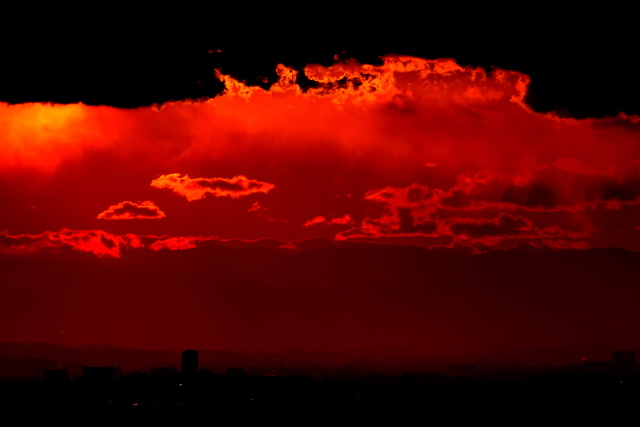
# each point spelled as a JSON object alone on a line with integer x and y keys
{"x": 132, "y": 210}
{"x": 198, "y": 188}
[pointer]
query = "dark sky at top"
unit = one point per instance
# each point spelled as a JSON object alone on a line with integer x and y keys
{"x": 581, "y": 62}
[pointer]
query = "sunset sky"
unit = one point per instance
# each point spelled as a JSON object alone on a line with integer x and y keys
{"x": 396, "y": 195}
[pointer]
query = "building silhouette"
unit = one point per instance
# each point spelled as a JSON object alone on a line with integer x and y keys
{"x": 190, "y": 363}
{"x": 624, "y": 358}
{"x": 56, "y": 375}
{"x": 621, "y": 361}
{"x": 101, "y": 373}
{"x": 163, "y": 372}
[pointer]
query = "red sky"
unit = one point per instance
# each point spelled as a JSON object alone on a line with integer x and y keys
{"x": 415, "y": 152}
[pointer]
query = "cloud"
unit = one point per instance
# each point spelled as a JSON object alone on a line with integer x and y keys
{"x": 320, "y": 220}
{"x": 467, "y": 209}
{"x": 315, "y": 221}
{"x": 503, "y": 225}
{"x": 104, "y": 244}
{"x": 456, "y": 247}
{"x": 350, "y": 81}
{"x": 417, "y": 211}
{"x": 98, "y": 242}
{"x": 402, "y": 224}
{"x": 562, "y": 244}
{"x": 198, "y": 188}
{"x": 508, "y": 229}
{"x": 422, "y": 139}
{"x": 132, "y": 210}
{"x": 256, "y": 207}
{"x": 109, "y": 245}
{"x": 405, "y": 214}
{"x": 173, "y": 243}
{"x": 546, "y": 189}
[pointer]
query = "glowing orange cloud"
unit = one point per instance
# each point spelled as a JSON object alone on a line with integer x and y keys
{"x": 320, "y": 220}
{"x": 488, "y": 231}
{"x": 131, "y": 210}
{"x": 405, "y": 214}
{"x": 450, "y": 115}
{"x": 420, "y": 144}
{"x": 422, "y": 212}
{"x": 553, "y": 188}
{"x": 256, "y": 207}
{"x": 198, "y": 188}
{"x": 546, "y": 189}
{"x": 97, "y": 242}
{"x": 173, "y": 243}
{"x": 105, "y": 244}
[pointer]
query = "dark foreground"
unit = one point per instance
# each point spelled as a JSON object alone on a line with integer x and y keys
{"x": 569, "y": 392}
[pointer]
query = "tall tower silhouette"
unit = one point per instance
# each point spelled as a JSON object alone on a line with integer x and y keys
{"x": 190, "y": 363}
